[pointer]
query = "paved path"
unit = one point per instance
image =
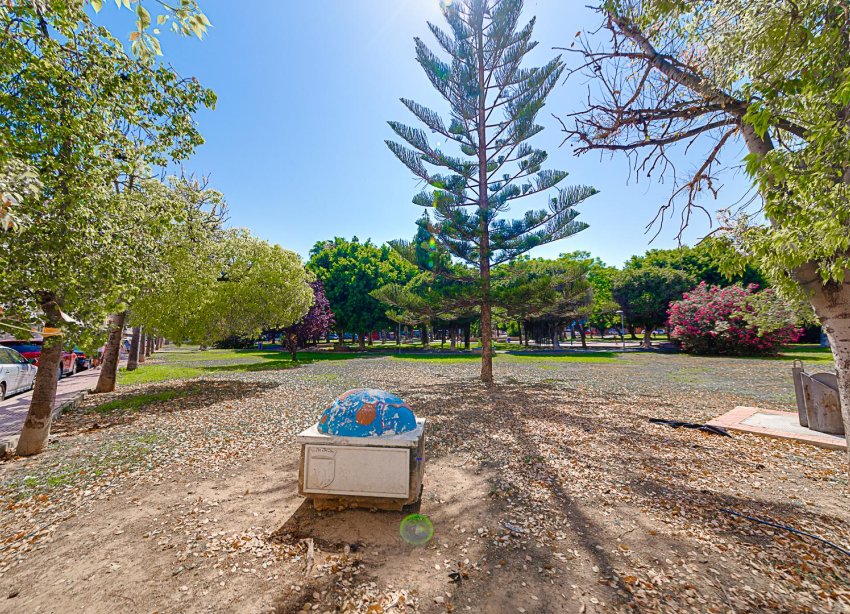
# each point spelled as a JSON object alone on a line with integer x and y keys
{"x": 13, "y": 411}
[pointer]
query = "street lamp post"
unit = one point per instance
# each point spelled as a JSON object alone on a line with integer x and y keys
{"x": 622, "y": 329}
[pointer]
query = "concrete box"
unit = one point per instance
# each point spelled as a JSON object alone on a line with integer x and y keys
{"x": 372, "y": 472}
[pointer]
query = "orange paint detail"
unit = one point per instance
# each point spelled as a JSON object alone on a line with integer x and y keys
{"x": 366, "y": 414}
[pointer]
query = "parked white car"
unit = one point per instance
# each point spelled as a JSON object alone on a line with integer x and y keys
{"x": 16, "y": 373}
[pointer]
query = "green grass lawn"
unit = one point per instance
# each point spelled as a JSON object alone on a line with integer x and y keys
{"x": 805, "y": 352}
{"x": 194, "y": 363}
{"x": 187, "y": 364}
{"x": 146, "y": 374}
{"x": 191, "y": 363}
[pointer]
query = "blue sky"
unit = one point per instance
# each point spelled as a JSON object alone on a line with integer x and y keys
{"x": 305, "y": 89}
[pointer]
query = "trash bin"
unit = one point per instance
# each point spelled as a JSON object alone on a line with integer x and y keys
{"x": 818, "y": 401}
{"x": 366, "y": 450}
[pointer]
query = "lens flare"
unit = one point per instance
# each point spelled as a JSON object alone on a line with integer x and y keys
{"x": 417, "y": 529}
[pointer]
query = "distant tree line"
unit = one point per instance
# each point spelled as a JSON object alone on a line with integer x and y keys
{"x": 417, "y": 284}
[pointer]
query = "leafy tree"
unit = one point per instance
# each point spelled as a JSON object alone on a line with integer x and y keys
{"x": 231, "y": 284}
{"x": 494, "y": 105}
{"x": 318, "y": 321}
{"x": 186, "y": 255}
{"x": 544, "y": 294}
{"x": 424, "y": 252}
{"x": 439, "y": 293}
{"x": 18, "y": 181}
{"x": 89, "y": 121}
{"x": 410, "y": 304}
{"x": 261, "y": 286}
{"x": 185, "y": 18}
{"x": 603, "y": 309}
{"x": 734, "y": 320}
{"x": 645, "y": 294}
{"x": 712, "y": 76}
{"x": 700, "y": 262}
{"x": 350, "y": 271}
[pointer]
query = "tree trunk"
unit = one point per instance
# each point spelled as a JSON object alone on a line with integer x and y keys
{"x": 143, "y": 343}
{"x": 291, "y": 341}
{"x": 369, "y": 338}
{"x": 466, "y": 335}
{"x": 486, "y": 340}
{"x": 525, "y": 326}
{"x": 483, "y": 204}
{"x": 582, "y": 331}
{"x": 135, "y": 347}
{"x": 556, "y": 342}
{"x": 111, "y": 354}
{"x": 361, "y": 340}
{"x": 426, "y": 343}
{"x": 831, "y": 303}
{"x": 148, "y": 346}
{"x": 647, "y": 338}
{"x": 632, "y": 332}
{"x": 453, "y": 338}
{"x": 36, "y": 429}
{"x": 341, "y": 338}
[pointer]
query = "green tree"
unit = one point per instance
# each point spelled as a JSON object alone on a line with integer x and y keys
{"x": 712, "y": 76}
{"x": 350, "y": 271}
{"x": 645, "y": 294}
{"x": 194, "y": 215}
{"x": 88, "y": 120}
{"x": 440, "y": 293}
{"x": 18, "y": 180}
{"x": 185, "y": 18}
{"x": 544, "y": 294}
{"x": 231, "y": 284}
{"x": 410, "y": 304}
{"x": 701, "y": 263}
{"x": 494, "y": 105}
{"x": 603, "y": 310}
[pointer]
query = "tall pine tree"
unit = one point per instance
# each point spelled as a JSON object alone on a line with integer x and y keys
{"x": 494, "y": 103}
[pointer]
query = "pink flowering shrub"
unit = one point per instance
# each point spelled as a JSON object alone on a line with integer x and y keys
{"x": 735, "y": 321}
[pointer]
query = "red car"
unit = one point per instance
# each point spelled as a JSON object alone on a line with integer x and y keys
{"x": 32, "y": 349}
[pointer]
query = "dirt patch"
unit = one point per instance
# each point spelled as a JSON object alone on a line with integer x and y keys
{"x": 549, "y": 492}
{"x": 101, "y": 411}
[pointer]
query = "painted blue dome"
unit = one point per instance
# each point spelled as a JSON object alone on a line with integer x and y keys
{"x": 367, "y": 412}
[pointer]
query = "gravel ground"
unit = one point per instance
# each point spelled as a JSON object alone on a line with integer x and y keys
{"x": 549, "y": 492}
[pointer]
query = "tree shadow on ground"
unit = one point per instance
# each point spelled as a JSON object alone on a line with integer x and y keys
{"x": 568, "y": 454}
{"x": 108, "y": 410}
{"x": 505, "y": 562}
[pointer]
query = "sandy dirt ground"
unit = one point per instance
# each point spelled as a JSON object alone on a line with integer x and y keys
{"x": 550, "y": 492}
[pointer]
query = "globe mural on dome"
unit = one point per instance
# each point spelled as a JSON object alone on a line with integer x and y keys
{"x": 367, "y": 412}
